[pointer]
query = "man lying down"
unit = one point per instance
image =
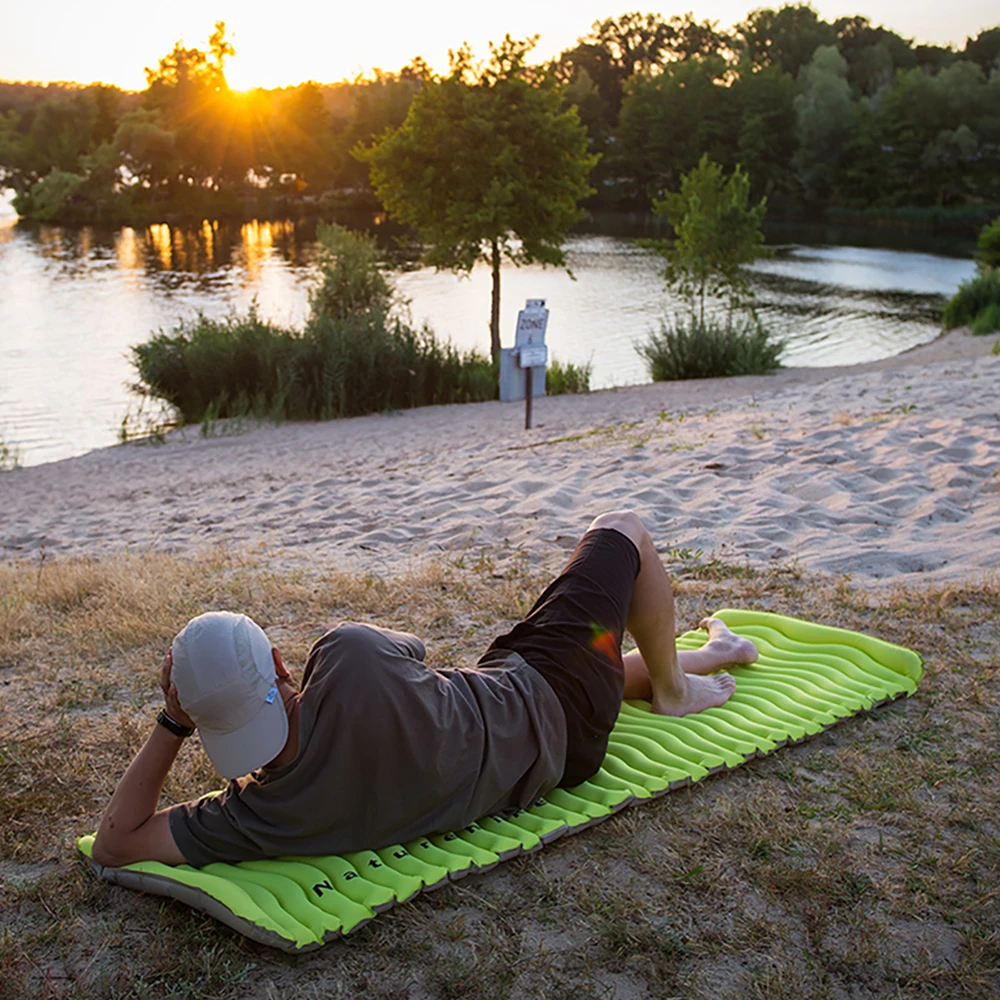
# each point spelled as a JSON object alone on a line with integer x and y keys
{"x": 377, "y": 749}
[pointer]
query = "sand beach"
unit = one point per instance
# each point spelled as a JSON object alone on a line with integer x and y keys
{"x": 881, "y": 472}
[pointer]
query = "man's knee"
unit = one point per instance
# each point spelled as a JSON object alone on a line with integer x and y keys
{"x": 625, "y": 521}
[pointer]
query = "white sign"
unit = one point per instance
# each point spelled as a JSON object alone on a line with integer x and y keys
{"x": 532, "y": 322}
{"x": 533, "y": 356}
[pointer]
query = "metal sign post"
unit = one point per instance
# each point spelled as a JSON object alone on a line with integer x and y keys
{"x": 529, "y": 358}
{"x": 529, "y": 343}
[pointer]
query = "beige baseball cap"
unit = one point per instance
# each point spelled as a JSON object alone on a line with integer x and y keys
{"x": 226, "y": 682}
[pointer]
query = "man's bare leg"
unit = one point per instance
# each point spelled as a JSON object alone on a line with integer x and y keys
{"x": 672, "y": 691}
{"x": 723, "y": 649}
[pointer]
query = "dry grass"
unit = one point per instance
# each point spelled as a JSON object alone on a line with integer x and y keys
{"x": 862, "y": 863}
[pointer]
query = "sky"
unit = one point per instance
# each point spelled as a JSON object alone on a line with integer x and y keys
{"x": 275, "y": 46}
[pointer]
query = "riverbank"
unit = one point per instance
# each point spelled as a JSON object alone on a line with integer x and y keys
{"x": 884, "y": 471}
{"x": 87, "y": 297}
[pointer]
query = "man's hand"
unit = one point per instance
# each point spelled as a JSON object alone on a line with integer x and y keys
{"x": 173, "y": 705}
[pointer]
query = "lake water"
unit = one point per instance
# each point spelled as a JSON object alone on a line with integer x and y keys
{"x": 73, "y": 300}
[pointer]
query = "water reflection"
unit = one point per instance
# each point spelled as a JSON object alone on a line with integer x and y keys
{"x": 72, "y": 302}
{"x": 867, "y": 269}
{"x": 127, "y": 250}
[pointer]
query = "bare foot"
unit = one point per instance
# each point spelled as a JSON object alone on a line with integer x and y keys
{"x": 700, "y": 693}
{"x": 723, "y": 649}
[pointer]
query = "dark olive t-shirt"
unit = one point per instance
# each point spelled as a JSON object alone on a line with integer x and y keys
{"x": 389, "y": 750}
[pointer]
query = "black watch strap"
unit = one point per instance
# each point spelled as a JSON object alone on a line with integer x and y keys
{"x": 175, "y": 727}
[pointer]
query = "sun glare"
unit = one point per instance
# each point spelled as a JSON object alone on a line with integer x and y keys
{"x": 242, "y": 75}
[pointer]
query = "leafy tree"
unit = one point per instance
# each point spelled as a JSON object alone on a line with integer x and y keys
{"x": 930, "y": 157}
{"x": 864, "y": 159}
{"x": 107, "y": 102}
{"x": 486, "y": 166}
{"x": 10, "y": 151}
{"x": 933, "y": 58}
{"x": 984, "y": 50}
{"x": 48, "y": 197}
{"x": 189, "y": 89}
{"x": 717, "y": 232}
{"x": 53, "y": 134}
{"x": 670, "y": 119}
{"x": 766, "y": 137}
{"x": 872, "y": 54}
{"x": 618, "y": 48}
{"x": 303, "y": 140}
{"x": 944, "y": 158}
{"x": 787, "y": 37}
{"x": 148, "y": 148}
{"x": 380, "y": 103}
{"x": 824, "y": 114}
{"x": 581, "y": 93}
{"x": 691, "y": 38}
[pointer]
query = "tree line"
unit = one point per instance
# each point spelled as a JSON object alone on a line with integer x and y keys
{"x": 822, "y": 114}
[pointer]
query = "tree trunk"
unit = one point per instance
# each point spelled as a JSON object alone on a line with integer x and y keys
{"x": 495, "y": 306}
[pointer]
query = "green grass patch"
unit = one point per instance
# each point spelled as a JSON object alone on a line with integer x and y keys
{"x": 563, "y": 378}
{"x": 10, "y": 456}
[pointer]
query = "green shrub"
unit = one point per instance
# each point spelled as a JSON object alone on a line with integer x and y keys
{"x": 988, "y": 245}
{"x": 988, "y": 321}
{"x": 49, "y": 196}
{"x": 692, "y": 349}
{"x": 356, "y": 354}
{"x": 561, "y": 379}
{"x": 351, "y": 280}
{"x": 973, "y": 297}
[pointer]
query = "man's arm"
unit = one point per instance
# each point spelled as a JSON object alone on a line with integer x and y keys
{"x": 131, "y": 829}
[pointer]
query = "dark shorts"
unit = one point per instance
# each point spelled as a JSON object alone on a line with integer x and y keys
{"x": 573, "y": 638}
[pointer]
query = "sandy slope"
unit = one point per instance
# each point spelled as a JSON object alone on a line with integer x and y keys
{"x": 886, "y": 470}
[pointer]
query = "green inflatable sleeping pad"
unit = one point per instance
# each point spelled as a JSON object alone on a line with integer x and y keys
{"x": 808, "y": 677}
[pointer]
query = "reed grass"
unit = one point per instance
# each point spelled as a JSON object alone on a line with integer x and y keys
{"x": 987, "y": 320}
{"x": 563, "y": 378}
{"x": 245, "y": 366}
{"x": 713, "y": 348}
{"x": 358, "y": 353}
{"x": 976, "y": 304}
{"x": 967, "y": 218}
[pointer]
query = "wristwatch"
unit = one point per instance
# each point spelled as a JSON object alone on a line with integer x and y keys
{"x": 175, "y": 727}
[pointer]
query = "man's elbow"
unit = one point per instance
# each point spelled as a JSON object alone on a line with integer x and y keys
{"x": 151, "y": 841}
{"x": 107, "y": 853}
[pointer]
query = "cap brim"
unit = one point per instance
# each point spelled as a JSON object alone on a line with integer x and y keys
{"x": 252, "y": 745}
